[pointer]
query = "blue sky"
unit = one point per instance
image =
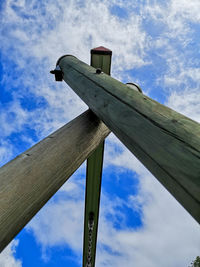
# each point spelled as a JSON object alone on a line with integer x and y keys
{"x": 155, "y": 44}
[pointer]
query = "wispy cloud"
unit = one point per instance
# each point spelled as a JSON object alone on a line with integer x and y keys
{"x": 186, "y": 102}
{"x": 7, "y": 257}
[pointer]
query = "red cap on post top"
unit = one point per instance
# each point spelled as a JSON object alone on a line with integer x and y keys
{"x": 101, "y": 50}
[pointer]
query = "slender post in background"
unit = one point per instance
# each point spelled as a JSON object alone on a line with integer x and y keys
{"x": 101, "y": 60}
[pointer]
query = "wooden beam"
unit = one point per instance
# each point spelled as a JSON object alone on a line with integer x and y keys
{"x": 100, "y": 58}
{"x": 32, "y": 178}
{"x": 165, "y": 141}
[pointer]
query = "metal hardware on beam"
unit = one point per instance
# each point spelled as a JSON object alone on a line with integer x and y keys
{"x": 134, "y": 86}
{"x": 58, "y": 74}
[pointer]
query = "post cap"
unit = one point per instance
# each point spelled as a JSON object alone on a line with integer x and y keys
{"x": 101, "y": 50}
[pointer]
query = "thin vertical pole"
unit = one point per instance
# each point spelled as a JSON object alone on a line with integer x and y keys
{"x": 100, "y": 59}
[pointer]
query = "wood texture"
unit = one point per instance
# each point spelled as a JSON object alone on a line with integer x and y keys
{"x": 31, "y": 179}
{"x": 165, "y": 141}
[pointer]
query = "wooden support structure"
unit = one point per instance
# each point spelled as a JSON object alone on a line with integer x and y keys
{"x": 165, "y": 141}
{"x": 32, "y": 178}
{"x": 100, "y": 58}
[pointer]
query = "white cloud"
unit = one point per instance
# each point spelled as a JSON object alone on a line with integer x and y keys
{"x": 186, "y": 102}
{"x": 60, "y": 222}
{"x": 65, "y": 227}
{"x": 6, "y": 151}
{"x": 12, "y": 118}
{"x": 7, "y": 257}
{"x": 176, "y": 15}
{"x": 73, "y": 28}
{"x": 174, "y": 40}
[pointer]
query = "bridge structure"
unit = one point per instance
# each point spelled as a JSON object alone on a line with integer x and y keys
{"x": 165, "y": 141}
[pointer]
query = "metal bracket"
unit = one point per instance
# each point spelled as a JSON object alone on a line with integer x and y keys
{"x": 58, "y": 74}
{"x": 134, "y": 86}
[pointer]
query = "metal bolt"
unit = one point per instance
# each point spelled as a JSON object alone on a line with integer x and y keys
{"x": 98, "y": 71}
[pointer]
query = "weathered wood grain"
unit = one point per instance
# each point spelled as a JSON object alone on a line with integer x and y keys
{"x": 165, "y": 141}
{"x": 31, "y": 179}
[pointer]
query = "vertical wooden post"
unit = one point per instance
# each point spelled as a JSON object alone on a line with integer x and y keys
{"x": 100, "y": 59}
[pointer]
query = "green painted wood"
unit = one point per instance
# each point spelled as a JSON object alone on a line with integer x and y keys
{"x": 165, "y": 141}
{"x": 94, "y": 172}
{"x": 32, "y": 178}
{"x": 101, "y": 61}
{"x": 92, "y": 199}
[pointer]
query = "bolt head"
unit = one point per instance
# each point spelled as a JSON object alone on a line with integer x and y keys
{"x": 98, "y": 71}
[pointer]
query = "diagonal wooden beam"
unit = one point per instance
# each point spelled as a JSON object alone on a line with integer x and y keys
{"x": 165, "y": 141}
{"x": 32, "y": 178}
{"x": 100, "y": 59}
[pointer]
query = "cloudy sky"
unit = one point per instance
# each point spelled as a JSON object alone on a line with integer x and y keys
{"x": 155, "y": 44}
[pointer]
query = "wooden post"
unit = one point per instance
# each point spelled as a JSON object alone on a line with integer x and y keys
{"x": 100, "y": 58}
{"x": 165, "y": 141}
{"x": 31, "y": 179}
